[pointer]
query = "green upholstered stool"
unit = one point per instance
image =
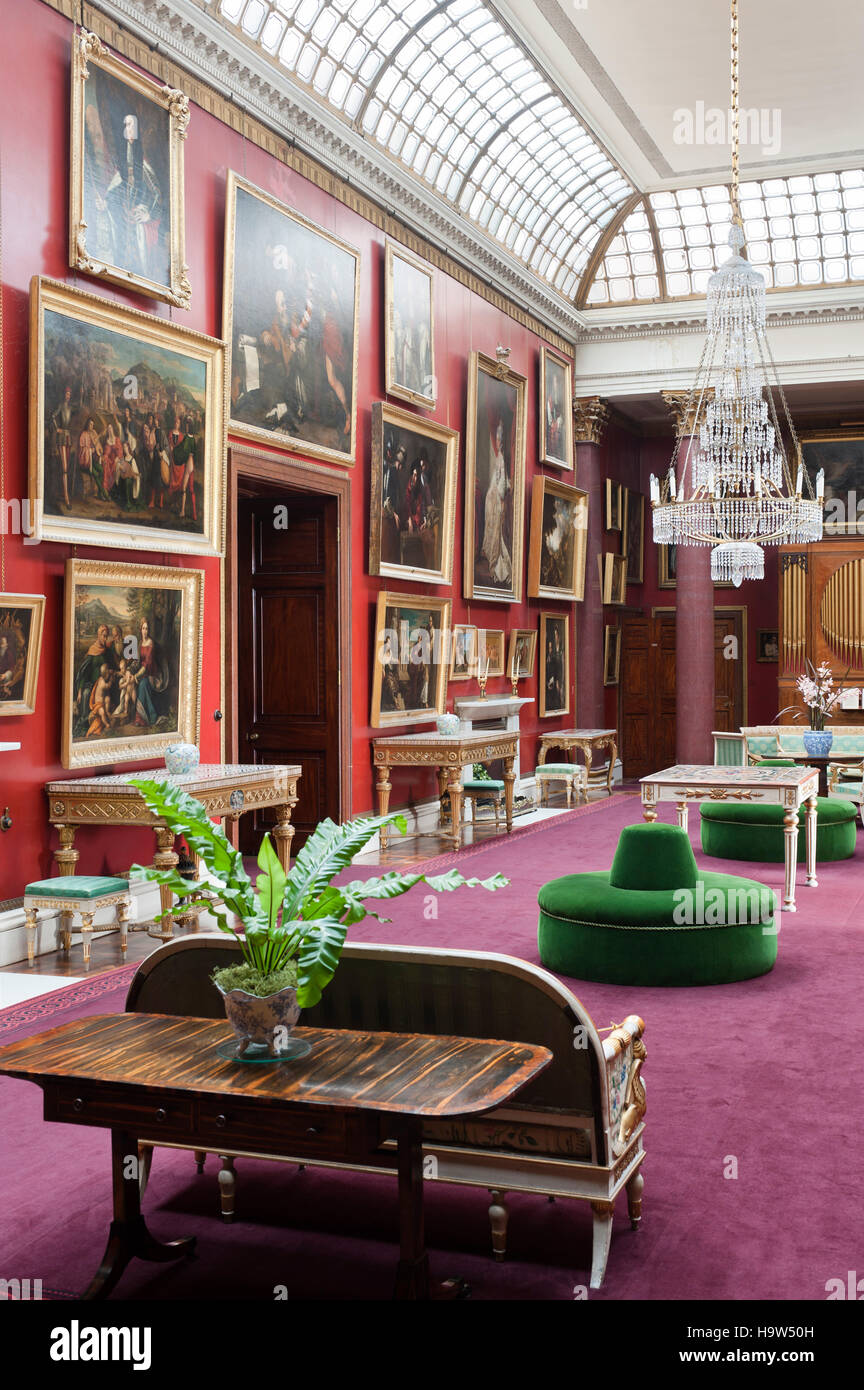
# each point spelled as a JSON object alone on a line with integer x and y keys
{"x": 755, "y": 833}
{"x": 655, "y": 919}
{"x": 83, "y": 895}
{"x": 575, "y": 775}
{"x": 484, "y": 789}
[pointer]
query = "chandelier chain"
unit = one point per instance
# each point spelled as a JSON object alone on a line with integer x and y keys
{"x": 736, "y": 210}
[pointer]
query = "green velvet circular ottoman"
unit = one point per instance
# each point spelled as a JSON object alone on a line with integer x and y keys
{"x": 655, "y": 919}
{"x": 755, "y": 833}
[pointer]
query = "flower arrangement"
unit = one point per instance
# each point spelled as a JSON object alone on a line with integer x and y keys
{"x": 819, "y": 693}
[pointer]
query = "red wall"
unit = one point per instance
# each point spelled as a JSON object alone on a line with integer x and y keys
{"x": 34, "y": 105}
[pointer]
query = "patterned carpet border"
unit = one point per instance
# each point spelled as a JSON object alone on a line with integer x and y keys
{"x": 46, "y": 1006}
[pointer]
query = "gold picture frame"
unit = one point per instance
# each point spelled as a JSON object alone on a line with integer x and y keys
{"x": 611, "y": 655}
{"x": 554, "y": 690}
{"x": 416, "y": 523}
{"x": 633, "y": 535}
{"x": 463, "y": 654}
{"x": 490, "y": 651}
{"x": 409, "y": 359}
{"x": 142, "y": 664}
{"x": 76, "y": 417}
{"x": 555, "y": 409}
{"x": 768, "y": 645}
{"x": 522, "y": 655}
{"x": 411, "y": 659}
{"x": 115, "y": 105}
{"x": 667, "y": 567}
{"x": 614, "y": 494}
{"x": 21, "y": 622}
{"x": 268, "y": 378}
{"x": 613, "y": 578}
{"x": 494, "y": 478}
{"x": 840, "y": 452}
{"x": 558, "y": 540}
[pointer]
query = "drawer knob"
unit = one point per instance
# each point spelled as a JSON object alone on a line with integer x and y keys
{"x": 221, "y": 1121}
{"x": 78, "y": 1105}
{"x": 313, "y": 1129}
{"x": 161, "y": 1115}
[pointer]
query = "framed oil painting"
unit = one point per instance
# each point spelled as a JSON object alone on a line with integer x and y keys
{"x": 21, "y": 618}
{"x": 522, "y": 654}
{"x": 463, "y": 652}
{"x": 126, "y": 216}
{"x": 613, "y": 578}
{"x": 131, "y": 661}
{"x": 409, "y": 682}
{"x": 768, "y": 645}
{"x": 409, "y": 327}
{"x": 494, "y": 481}
{"x": 290, "y": 301}
{"x": 559, "y": 530}
{"x": 412, "y": 526}
{"x": 613, "y": 505}
{"x": 611, "y": 655}
{"x": 633, "y": 535}
{"x": 841, "y": 454}
{"x": 556, "y": 409}
{"x": 554, "y": 665}
{"x": 126, "y": 426}
{"x": 490, "y": 651}
{"x": 667, "y": 566}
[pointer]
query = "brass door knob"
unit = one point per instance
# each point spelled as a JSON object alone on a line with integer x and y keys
{"x": 253, "y": 738}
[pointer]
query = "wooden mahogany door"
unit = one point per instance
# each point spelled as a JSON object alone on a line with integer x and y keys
{"x": 730, "y": 647}
{"x": 647, "y": 694}
{"x": 288, "y": 651}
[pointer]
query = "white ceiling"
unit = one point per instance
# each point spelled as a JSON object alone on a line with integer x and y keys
{"x": 629, "y": 66}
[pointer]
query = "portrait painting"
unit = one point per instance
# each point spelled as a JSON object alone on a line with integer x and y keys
{"x": 611, "y": 655}
{"x": 667, "y": 566}
{"x": 613, "y": 578}
{"x": 413, "y": 496}
{"x": 409, "y": 337}
{"x": 522, "y": 654}
{"x": 490, "y": 651}
{"x": 841, "y": 454}
{"x": 290, "y": 324}
{"x": 554, "y": 665}
{"x": 494, "y": 481}
{"x": 21, "y": 618}
{"x": 463, "y": 652}
{"x": 409, "y": 681}
{"x": 126, "y": 426}
{"x": 126, "y": 219}
{"x": 634, "y": 535}
{"x": 767, "y": 645}
{"x": 131, "y": 661}
{"x": 559, "y": 528}
{"x": 613, "y": 505}
{"x": 556, "y": 409}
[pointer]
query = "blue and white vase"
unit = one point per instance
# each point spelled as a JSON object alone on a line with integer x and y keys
{"x": 817, "y": 742}
{"x": 448, "y": 723}
{"x": 181, "y": 758}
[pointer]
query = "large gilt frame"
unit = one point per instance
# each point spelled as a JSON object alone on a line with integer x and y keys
{"x": 545, "y": 619}
{"x": 392, "y": 387}
{"x": 542, "y": 487}
{"x": 565, "y": 463}
{"x": 82, "y": 306}
{"x": 36, "y": 604}
{"x": 384, "y": 414}
{"x": 80, "y": 753}
{"x": 441, "y": 606}
{"x": 89, "y": 49}
{"x": 478, "y": 362}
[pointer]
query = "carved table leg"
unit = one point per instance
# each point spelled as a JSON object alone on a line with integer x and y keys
{"x": 31, "y": 920}
{"x": 384, "y": 788}
{"x": 509, "y": 781}
{"x": 602, "y": 1239}
{"x": 67, "y": 856}
{"x": 812, "y": 881}
{"x": 649, "y": 811}
{"x": 586, "y": 750}
{"x": 790, "y": 836}
{"x": 86, "y": 936}
{"x": 634, "y": 1198}
{"x": 683, "y": 815}
{"x": 123, "y": 924}
{"x": 454, "y": 775}
{"x": 613, "y": 754}
{"x": 283, "y": 833}
{"x": 165, "y": 857}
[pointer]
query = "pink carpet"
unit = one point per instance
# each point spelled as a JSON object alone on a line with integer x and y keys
{"x": 747, "y": 1078}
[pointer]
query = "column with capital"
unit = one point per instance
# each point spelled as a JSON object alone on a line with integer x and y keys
{"x": 590, "y": 415}
{"x": 694, "y": 616}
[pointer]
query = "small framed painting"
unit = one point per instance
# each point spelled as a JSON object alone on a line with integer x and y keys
{"x": 463, "y": 652}
{"x": 554, "y": 665}
{"x": 21, "y": 618}
{"x": 494, "y": 481}
{"x": 556, "y": 409}
{"x": 633, "y": 535}
{"x": 613, "y": 578}
{"x": 767, "y": 645}
{"x": 412, "y": 526}
{"x": 840, "y": 452}
{"x": 613, "y": 505}
{"x": 559, "y": 530}
{"x": 611, "y": 655}
{"x": 490, "y": 651}
{"x": 409, "y": 327}
{"x": 409, "y": 681}
{"x": 523, "y": 653}
{"x": 667, "y": 566}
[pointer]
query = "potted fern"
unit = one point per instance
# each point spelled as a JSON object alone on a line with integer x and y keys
{"x": 290, "y": 927}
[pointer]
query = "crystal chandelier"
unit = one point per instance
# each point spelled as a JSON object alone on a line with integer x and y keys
{"x": 734, "y": 489}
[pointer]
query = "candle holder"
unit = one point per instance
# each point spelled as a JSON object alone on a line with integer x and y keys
{"x": 482, "y": 678}
{"x": 514, "y": 684}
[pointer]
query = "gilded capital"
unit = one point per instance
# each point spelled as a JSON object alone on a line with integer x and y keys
{"x": 683, "y": 405}
{"x": 590, "y": 416}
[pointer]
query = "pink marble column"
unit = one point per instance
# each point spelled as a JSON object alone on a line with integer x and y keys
{"x": 590, "y": 415}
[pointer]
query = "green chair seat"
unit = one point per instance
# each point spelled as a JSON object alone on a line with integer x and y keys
{"x": 755, "y": 833}
{"x": 79, "y": 887}
{"x": 560, "y": 769}
{"x": 482, "y": 785}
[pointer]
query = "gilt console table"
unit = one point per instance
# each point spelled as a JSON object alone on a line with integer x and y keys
{"x": 227, "y": 790}
{"x": 586, "y": 740}
{"x": 447, "y": 754}
{"x": 789, "y": 787}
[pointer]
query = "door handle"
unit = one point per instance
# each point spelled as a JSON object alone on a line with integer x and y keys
{"x": 253, "y": 738}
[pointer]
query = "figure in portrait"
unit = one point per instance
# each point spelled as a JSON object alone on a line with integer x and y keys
{"x": 496, "y": 512}
{"x": 413, "y": 495}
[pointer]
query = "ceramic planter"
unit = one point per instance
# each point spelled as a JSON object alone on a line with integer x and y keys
{"x": 817, "y": 742}
{"x": 181, "y": 758}
{"x": 261, "y": 1023}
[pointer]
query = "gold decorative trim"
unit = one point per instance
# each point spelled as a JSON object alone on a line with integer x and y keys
{"x": 685, "y": 408}
{"x": 590, "y": 418}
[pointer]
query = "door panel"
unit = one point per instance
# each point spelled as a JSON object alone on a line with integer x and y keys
{"x": 729, "y": 671}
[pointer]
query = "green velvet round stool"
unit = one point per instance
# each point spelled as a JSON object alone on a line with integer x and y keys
{"x": 755, "y": 833}
{"x": 655, "y": 919}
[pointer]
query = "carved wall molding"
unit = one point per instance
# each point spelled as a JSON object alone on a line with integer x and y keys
{"x": 590, "y": 418}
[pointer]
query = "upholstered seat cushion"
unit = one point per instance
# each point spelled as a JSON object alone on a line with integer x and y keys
{"x": 653, "y": 857}
{"x": 482, "y": 785}
{"x": 76, "y": 886}
{"x": 561, "y": 769}
{"x": 755, "y": 833}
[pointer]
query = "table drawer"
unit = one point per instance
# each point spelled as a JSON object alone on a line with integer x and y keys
{"x": 92, "y": 1105}
{"x": 300, "y": 1132}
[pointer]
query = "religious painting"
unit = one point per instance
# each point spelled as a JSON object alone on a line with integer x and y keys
{"x": 667, "y": 566}
{"x": 20, "y": 646}
{"x": 409, "y": 682}
{"x": 613, "y": 505}
{"x": 131, "y": 661}
{"x": 409, "y": 336}
{"x": 494, "y": 481}
{"x": 290, "y": 324}
{"x": 490, "y": 651}
{"x": 126, "y": 188}
{"x": 559, "y": 529}
{"x": 633, "y": 535}
{"x": 611, "y": 655}
{"x": 841, "y": 454}
{"x": 126, "y": 426}
{"x": 463, "y": 652}
{"x": 412, "y": 527}
{"x": 768, "y": 645}
{"x": 522, "y": 654}
{"x": 556, "y": 409}
{"x": 554, "y": 665}
{"x": 613, "y": 578}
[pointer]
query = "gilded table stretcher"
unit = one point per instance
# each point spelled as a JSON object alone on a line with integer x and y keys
{"x": 448, "y": 754}
{"x": 226, "y": 790}
{"x": 586, "y": 740}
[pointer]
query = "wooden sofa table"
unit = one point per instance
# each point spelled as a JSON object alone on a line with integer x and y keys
{"x": 158, "y": 1078}
{"x": 447, "y": 754}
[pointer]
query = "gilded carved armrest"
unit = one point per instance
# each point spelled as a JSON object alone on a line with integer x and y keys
{"x": 624, "y": 1051}
{"x": 837, "y": 772}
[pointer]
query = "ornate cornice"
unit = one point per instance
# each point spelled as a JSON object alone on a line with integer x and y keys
{"x": 590, "y": 418}
{"x": 685, "y": 409}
